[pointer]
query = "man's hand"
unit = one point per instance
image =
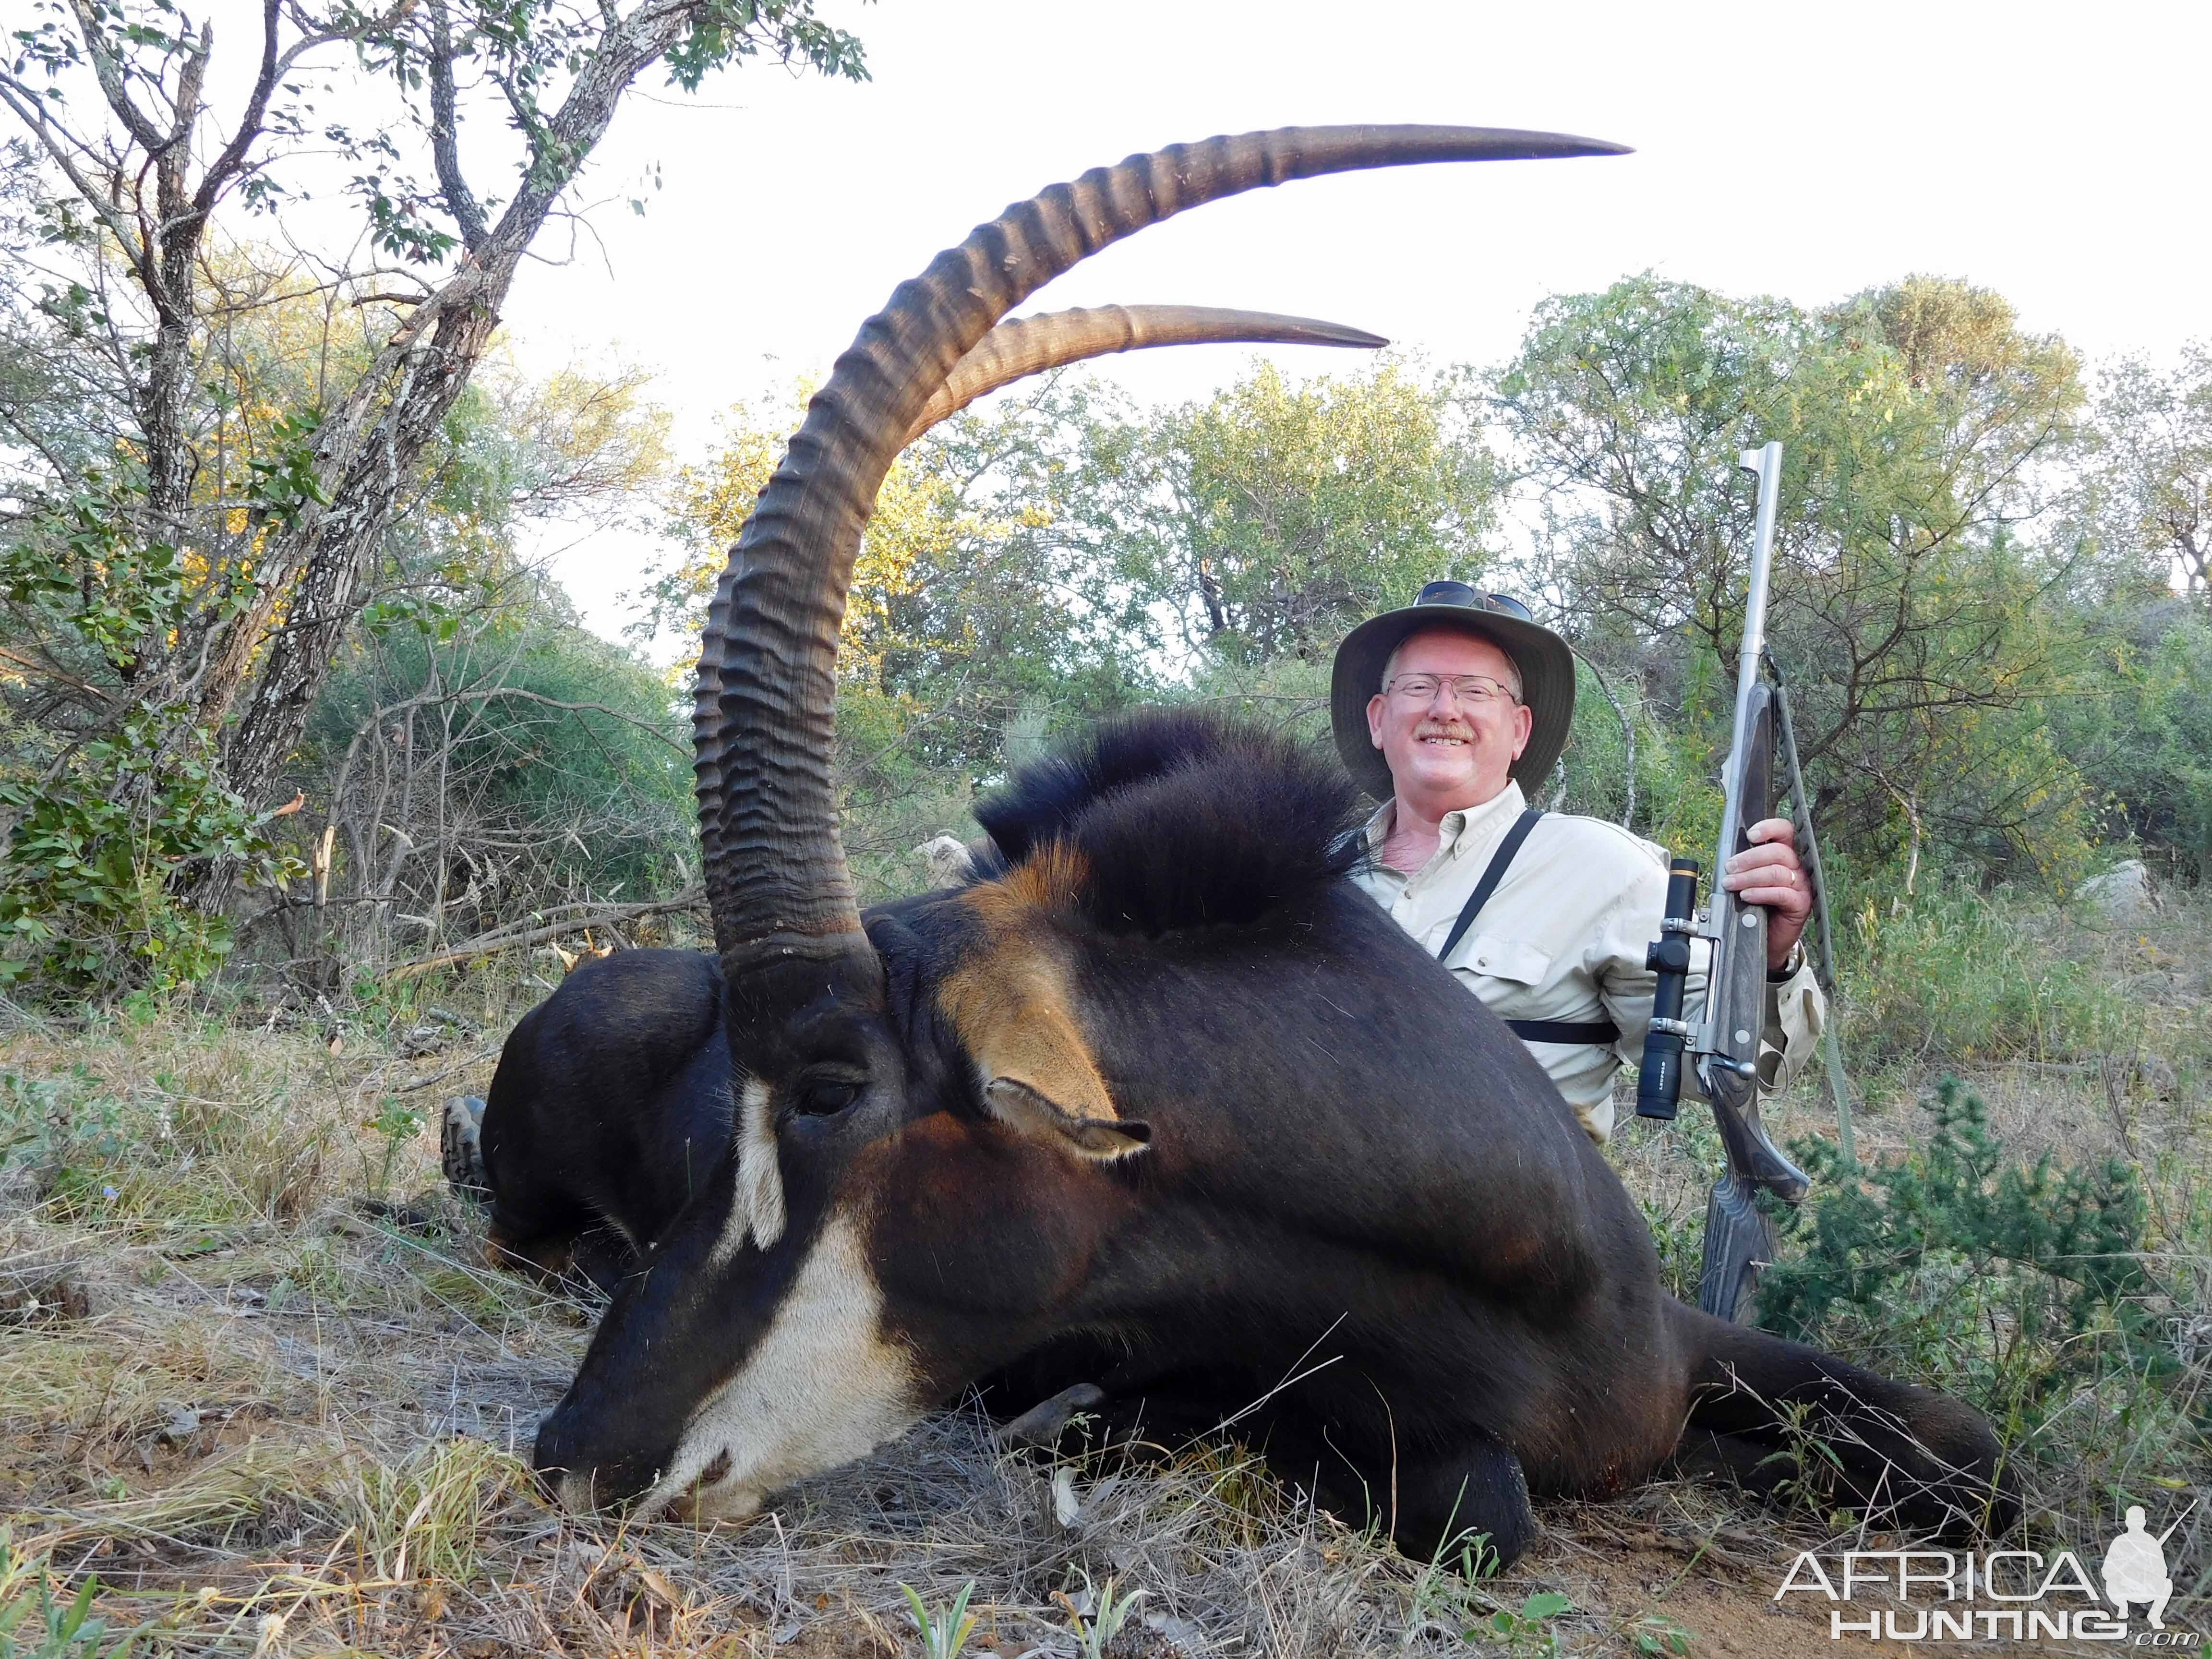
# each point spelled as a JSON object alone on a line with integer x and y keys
{"x": 1768, "y": 873}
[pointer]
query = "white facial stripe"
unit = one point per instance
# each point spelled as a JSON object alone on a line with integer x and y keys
{"x": 756, "y": 1208}
{"x": 822, "y": 1388}
{"x": 758, "y": 1175}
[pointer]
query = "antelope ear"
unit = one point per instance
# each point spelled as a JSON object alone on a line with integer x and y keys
{"x": 1027, "y": 1111}
{"x": 1012, "y": 1007}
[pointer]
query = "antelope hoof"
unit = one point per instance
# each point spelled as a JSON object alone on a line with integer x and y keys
{"x": 1042, "y": 1424}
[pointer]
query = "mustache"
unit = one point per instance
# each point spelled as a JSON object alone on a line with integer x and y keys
{"x": 1445, "y": 729}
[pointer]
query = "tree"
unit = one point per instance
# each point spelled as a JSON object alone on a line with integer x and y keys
{"x": 1271, "y": 518}
{"x": 114, "y": 805}
{"x": 2143, "y": 737}
{"x": 115, "y": 93}
{"x": 2155, "y": 478}
{"x": 1911, "y": 604}
{"x": 985, "y": 595}
{"x": 210, "y": 444}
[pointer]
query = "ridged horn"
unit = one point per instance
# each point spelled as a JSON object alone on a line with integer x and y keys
{"x": 1015, "y": 351}
{"x": 774, "y": 868}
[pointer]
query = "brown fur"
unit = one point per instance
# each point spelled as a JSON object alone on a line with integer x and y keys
{"x": 1010, "y": 1000}
{"x": 545, "y": 1259}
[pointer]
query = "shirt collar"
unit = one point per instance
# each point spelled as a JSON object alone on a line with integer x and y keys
{"x": 1460, "y": 829}
{"x": 1475, "y": 824}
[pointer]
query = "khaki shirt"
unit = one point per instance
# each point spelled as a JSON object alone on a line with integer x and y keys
{"x": 1563, "y": 938}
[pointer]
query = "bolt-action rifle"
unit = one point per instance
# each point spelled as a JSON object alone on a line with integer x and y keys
{"x": 1723, "y": 1046}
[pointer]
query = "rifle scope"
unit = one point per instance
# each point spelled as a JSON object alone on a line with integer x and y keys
{"x": 1659, "y": 1081}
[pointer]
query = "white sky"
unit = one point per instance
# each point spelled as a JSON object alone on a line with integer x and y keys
{"x": 2058, "y": 154}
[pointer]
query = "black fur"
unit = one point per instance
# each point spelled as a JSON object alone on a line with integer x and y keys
{"x": 1350, "y": 1161}
{"x": 612, "y": 1102}
{"x": 1184, "y": 819}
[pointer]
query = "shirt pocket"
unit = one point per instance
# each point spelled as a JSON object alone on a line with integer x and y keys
{"x": 1491, "y": 956}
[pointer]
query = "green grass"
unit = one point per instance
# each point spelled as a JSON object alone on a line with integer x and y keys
{"x": 1955, "y": 978}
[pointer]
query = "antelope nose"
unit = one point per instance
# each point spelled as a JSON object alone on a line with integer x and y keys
{"x": 575, "y": 1492}
{"x": 561, "y": 1476}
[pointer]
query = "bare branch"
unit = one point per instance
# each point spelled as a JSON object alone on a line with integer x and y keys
{"x": 509, "y": 938}
{"x": 232, "y": 154}
{"x": 15, "y": 95}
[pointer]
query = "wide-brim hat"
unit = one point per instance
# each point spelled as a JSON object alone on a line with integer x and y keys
{"x": 1547, "y": 665}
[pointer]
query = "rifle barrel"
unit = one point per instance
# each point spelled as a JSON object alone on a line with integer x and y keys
{"x": 1766, "y": 462}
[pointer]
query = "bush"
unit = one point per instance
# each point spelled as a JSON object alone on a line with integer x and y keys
{"x": 1675, "y": 798}
{"x": 2146, "y": 744}
{"x": 518, "y": 764}
{"x": 108, "y": 843}
{"x": 893, "y": 798}
{"x": 2026, "y": 1291}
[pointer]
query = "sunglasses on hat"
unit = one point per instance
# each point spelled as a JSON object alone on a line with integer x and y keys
{"x": 1459, "y": 593}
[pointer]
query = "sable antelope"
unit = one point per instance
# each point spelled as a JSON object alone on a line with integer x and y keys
{"x": 1159, "y": 1103}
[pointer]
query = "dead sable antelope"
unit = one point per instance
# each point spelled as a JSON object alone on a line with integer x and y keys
{"x": 1158, "y": 1103}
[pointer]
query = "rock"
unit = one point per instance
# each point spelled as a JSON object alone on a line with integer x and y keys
{"x": 946, "y": 860}
{"x": 183, "y": 1423}
{"x": 422, "y": 1041}
{"x": 2121, "y": 893}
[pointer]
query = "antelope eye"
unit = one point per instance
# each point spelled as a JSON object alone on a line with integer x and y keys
{"x": 820, "y": 1096}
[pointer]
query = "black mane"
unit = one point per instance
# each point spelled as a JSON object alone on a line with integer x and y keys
{"x": 1182, "y": 818}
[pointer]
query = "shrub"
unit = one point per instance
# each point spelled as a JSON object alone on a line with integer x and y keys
{"x": 2017, "y": 1288}
{"x": 109, "y": 842}
{"x": 518, "y": 764}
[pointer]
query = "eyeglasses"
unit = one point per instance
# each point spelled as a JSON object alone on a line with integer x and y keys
{"x": 1469, "y": 691}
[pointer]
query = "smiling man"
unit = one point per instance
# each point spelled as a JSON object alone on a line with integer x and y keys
{"x": 1442, "y": 709}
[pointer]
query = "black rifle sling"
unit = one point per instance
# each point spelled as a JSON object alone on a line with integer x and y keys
{"x": 1500, "y": 861}
{"x": 1602, "y": 1032}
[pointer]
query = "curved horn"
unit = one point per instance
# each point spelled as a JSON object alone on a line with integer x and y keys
{"x": 1030, "y": 345}
{"x": 775, "y": 869}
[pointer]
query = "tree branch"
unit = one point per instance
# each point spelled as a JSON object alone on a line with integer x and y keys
{"x": 12, "y": 91}
{"x": 446, "y": 133}
{"x": 232, "y": 154}
{"x": 109, "y": 72}
{"x": 508, "y": 939}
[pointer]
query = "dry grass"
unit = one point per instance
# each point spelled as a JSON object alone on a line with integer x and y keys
{"x": 271, "y": 1424}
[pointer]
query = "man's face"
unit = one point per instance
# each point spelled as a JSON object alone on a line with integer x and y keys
{"x": 1446, "y": 753}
